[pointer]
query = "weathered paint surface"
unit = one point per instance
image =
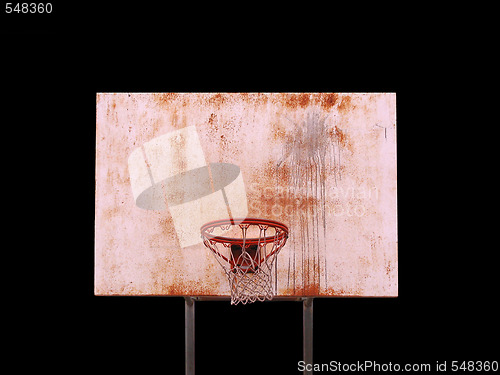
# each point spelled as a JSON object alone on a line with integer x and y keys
{"x": 323, "y": 164}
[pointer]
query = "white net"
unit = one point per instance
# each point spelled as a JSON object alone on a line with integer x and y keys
{"x": 247, "y": 253}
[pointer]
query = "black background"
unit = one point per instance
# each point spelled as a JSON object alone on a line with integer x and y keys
{"x": 52, "y": 68}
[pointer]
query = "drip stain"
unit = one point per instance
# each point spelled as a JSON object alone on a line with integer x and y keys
{"x": 310, "y": 153}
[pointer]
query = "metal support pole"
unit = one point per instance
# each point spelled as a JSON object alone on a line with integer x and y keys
{"x": 189, "y": 337}
{"x": 307, "y": 320}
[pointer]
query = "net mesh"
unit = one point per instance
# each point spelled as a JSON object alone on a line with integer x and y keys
{"x": 248, "y": 257}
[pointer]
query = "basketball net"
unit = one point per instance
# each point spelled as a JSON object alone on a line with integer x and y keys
{"x": 248, "y": 262}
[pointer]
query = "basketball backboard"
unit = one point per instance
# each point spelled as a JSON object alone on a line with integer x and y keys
{"x": 323, "y": 164}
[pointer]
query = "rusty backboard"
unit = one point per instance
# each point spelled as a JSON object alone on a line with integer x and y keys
{"x": 324, "y": 164}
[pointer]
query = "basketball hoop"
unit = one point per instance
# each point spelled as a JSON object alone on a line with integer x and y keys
{"x": 246, "y": 249}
